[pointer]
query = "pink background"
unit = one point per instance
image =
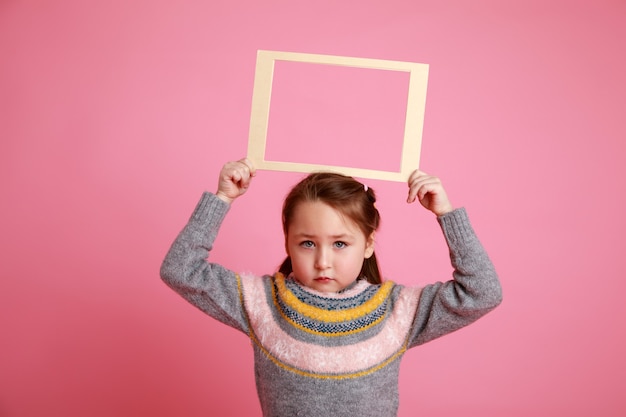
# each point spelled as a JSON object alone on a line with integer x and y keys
{"x": 115, "y": 115}
{"x": 321, "y": 114}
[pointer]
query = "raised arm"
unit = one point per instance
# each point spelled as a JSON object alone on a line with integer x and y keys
{"x": 474, "y": 289}
{"x": 208, "y": 286}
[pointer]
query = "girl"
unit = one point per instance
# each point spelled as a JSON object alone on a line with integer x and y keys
{"x": 327, "y": 333}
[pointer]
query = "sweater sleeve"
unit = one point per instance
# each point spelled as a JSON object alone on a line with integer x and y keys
{"x": 208, "y": 286}
{"x": 474, "y": 290}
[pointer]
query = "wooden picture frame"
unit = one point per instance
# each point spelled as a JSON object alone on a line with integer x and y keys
{"x": 413, "y": 127}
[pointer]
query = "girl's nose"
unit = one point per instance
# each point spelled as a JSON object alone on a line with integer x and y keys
{"x": 322, "y": 260}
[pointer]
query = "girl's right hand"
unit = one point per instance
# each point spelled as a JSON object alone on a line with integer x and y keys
{"x": 234, "y": 180}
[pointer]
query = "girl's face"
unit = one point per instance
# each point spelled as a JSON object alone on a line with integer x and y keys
{"x": 326, "y": 249}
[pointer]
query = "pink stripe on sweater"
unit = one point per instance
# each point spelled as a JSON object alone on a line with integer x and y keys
{"x": 320, "y": 359}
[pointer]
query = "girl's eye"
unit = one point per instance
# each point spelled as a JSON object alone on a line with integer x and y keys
{"x": 340, "y": 245}
{"x": 307, "y": 244}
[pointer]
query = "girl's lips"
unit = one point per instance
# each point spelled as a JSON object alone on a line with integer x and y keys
{"x": 323, "y": 279}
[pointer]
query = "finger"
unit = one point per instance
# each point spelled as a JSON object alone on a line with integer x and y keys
{"x": 251, "y": 168}
{"x": 244, "y": 173}
{"x": 234, "y": 172}
{"x": 412, "y": 195}
{"x": 430, "y": 185}
{"x": 415, "y": 175}
{"x": 424, "y": 185}
{"x": 414, "y": 178}
{"x": 418, "y": 180}
{"x": 424, "y": 190}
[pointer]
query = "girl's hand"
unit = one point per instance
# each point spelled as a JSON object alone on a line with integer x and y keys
{"x": 235, "y": 179}
{"x": 430, "y": 193}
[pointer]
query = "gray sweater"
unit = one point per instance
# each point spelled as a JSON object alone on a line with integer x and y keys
{"x": 320, "y": 354}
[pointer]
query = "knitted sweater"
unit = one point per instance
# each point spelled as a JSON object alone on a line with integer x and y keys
{"x": 323, "y": 354}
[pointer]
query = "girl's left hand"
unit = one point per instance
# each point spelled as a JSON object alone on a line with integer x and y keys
{"x": 430, "y": 193}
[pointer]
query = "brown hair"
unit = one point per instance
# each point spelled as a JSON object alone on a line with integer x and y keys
{"x": 346, "y": 195}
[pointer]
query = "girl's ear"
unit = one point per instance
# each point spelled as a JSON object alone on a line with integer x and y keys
{"x": 286, "y": 244}
{"x": 369, "y": 245}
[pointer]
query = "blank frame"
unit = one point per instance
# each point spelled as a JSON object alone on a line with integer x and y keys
{"x": 414, "y": 117}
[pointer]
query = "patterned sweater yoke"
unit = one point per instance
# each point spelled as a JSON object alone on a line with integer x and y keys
{"x": 339, "y": 336}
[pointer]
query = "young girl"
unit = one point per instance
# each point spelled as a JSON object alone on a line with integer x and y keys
{"x": 328, "y": 334}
